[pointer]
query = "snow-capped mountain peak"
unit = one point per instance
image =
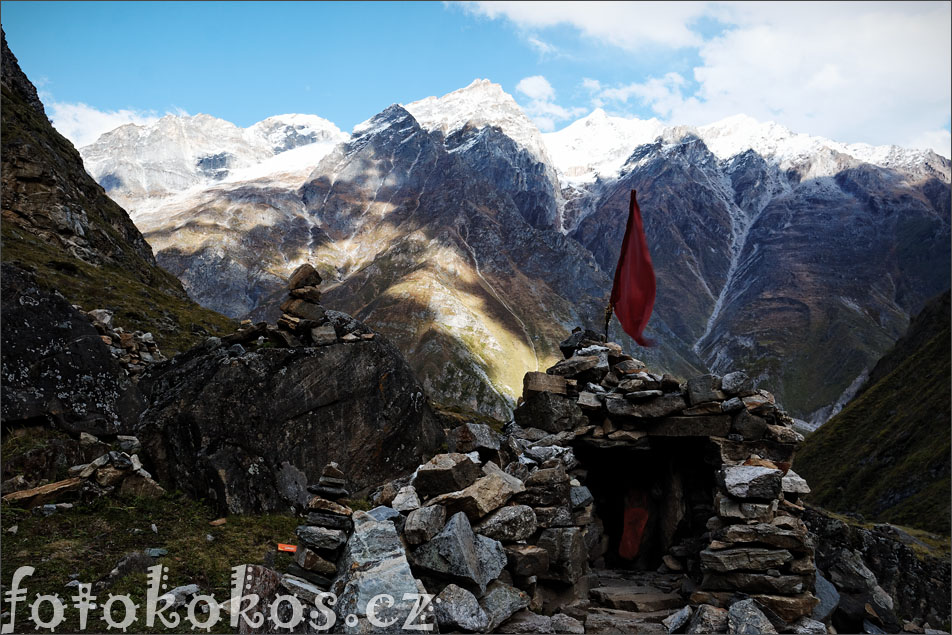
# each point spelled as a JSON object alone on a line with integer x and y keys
{"x": 285, "y": 132}
{"x": 480, "y": 104}
{"x": 739, "y": 133}
{"x": 598, "y": 145}
{"x": 141, "y": 165}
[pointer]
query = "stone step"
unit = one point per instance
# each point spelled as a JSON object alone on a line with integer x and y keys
{"x": 637, "y": 598}
{"x": 629, "y": 584}
{"x": 663, "y": 582}
{"x": 616, "y": 621}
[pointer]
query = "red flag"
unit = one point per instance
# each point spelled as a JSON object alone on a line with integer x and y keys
{"x": 633, "y": 293}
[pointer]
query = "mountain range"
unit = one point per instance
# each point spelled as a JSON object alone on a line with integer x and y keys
{"x": 476, "y": 243}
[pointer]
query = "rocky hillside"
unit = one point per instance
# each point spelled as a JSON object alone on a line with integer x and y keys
{"x": 412, "y": 236}
{"x": 800, "y": 261}
{"x": 899, "y": 425}
{"x": 60, "y": 224}
{"x": 456, "y": 228}
{"x": 99, "y": 371}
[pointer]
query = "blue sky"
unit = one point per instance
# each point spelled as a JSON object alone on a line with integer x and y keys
{"x": 861, "y": 72}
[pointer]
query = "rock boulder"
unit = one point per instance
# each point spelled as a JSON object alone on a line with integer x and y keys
{"x": 222, "y": 427}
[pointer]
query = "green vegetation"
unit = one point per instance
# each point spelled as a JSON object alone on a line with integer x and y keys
{"x": 925, "y": 544}
{"x": 19, "y": 441}
{"x": 359, "y": 504}
{"x": 176, "y": 322}
{"x": 886, "y": 455}
{"x": 89, "y": 540}
{"x": 808, "y": 374}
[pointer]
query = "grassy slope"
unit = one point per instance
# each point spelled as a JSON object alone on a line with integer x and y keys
{"x": 887, "y": 454}
{"x": 89, "y": 540}
{"x": 176, "y": 322}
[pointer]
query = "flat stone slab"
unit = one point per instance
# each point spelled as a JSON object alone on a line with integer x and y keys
{"x": 662, "y": 406}
{"x": 615, "y": 621}
{"x": 753, "y": 558}
{"x": 754, "y": 583}
{"x": 764, "y": 533}
{"x": 789, "y": 608}
{"x": 635, "y": 599}
{"x": 534, "y": 382}
{"x": 752, "y": 481}
{"x": 44, "y": 493}
{"x": 574, "y": 366}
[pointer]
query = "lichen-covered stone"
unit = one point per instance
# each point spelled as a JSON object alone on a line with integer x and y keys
{"x": 457, "y": 609}
{"x": 424, "y": 523}
{"x": 746, "y": 618}
{"x": 459, "y": 555}
{"x": 509, "y": 523}
{"x": 445, "y": 473}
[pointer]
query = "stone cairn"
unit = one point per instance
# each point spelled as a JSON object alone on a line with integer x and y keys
{"x": 329, "y": 524}
{"x": 116, "y": 471}
{"x": 303, "y": 322}
{"x": 503, "y": 530}
{"x": 134, "y": 351}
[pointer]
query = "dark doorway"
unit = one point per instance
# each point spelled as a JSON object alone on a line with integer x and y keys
{"x": 650, "y": 499}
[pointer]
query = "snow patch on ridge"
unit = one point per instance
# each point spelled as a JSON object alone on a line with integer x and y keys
{"x": 143, "y": 166}
{"x": 597, "y": 146}
{"x": 480, "y": 104}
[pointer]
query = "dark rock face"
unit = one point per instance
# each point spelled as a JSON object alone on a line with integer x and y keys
{"x": 531, "y": 185}
{"x": 214, "y": 166}
{"x": 225, "y": 427}
{"x": 59, "y": 222}
{"x": 918, "y": 586}
{"x": 688, "y": 226}
{"x": 14, "y": 78}
{"x": 55, "y": 368}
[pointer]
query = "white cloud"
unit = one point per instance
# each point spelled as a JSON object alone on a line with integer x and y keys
{"x": 543, "y": 47}
{"x": 591, "y": 85}
{"x": 542, "y": 108}
{"x": 878, "y": 73}
{"x": 82, "y": 124}
{"x": 630, "y": 25}
{"x": 536, "y": 87}
{"x": 662, "y": 94}
{"x": 939, "y": 141}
